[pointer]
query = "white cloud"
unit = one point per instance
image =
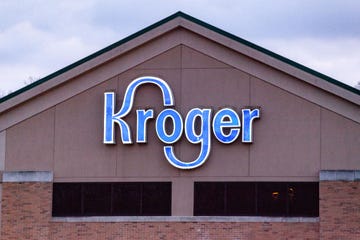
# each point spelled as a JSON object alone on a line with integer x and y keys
{"x": 338, "y": 58}
{"x": 30, "y": 50}
{"x": 14, "y": 76}
{"x": 39, "y": 37}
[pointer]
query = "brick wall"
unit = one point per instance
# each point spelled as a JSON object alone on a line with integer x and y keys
{"x": 26, "y": 211}
{"x": 184, "y": 230}
{"x": 340, "y": 210}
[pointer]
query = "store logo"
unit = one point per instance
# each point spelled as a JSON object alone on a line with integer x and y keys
{"x": 226, "y": 125}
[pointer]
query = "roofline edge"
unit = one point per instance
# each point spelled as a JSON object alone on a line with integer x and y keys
{"x": 89, "y": 57}
{"x": 197, "y": 21}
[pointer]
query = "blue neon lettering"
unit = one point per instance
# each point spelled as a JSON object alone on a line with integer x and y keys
{"x": 220, "y": 122}
{"x": 110, "y": 118}
{"x": 142, "y": 117}
{"x": 225, "y": 118}
{"x": 248, "y": 117}
{"x": 177, "y": 126}
{"x": 203, "y": 138}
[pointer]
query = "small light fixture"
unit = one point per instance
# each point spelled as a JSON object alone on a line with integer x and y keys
{"x": 275, "y": 195}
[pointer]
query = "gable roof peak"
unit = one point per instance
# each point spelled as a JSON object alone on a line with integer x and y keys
{"x": 180, "y": 14}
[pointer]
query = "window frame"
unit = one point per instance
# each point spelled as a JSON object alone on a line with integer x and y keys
{"x": 59, "y": 206}
{"x": 263, "y": 206}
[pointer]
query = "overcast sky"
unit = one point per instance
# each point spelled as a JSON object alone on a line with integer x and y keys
{"x": 40, "y": 37}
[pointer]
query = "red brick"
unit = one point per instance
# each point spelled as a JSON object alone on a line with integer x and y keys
{"x": 340, "y": 210}
{"x": 27, "y": 215}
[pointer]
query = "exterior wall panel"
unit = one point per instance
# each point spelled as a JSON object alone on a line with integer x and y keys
{"x": 146, "y": 159}
{"x": 54, "y": 133}
{"x": 287, "y": 137}
{"x": 79, "y": 151}
{"x": 216, "y": 89}
{"x": 2, "y": 150}
{"x": 30, "y": 144}
{"x": 340, "y": 141}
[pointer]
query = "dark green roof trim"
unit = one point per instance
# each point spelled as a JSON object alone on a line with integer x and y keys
{"x": 199, "y": 22}
{"x": 88, "y": 58}
{"x": 270, "y": 53}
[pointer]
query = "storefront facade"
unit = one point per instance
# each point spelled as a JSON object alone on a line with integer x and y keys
{"x": 181, "y": 131}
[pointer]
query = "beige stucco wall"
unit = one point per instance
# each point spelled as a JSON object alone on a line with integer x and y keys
{"x": 293, "y": 140}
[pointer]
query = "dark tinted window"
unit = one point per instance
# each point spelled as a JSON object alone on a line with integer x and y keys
{"x": 240, "y": 199}
{"x": 112, "y": 199}
{"x": 209, "y": 199}
{"x": 256, "y": 199}
{"x": 96, "y": 199}
{"x": 156, "y": 199}
{"x": 303, "y": 199}
{"x": 67, "y": 199}
{"x": 126, "y": 199}
{"x": 271, "y": 199}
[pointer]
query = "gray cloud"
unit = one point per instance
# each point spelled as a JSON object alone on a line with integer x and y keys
{"x": 40, "y": 37}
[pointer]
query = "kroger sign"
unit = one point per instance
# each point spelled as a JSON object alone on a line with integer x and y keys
{"x": 225, "y": 124}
